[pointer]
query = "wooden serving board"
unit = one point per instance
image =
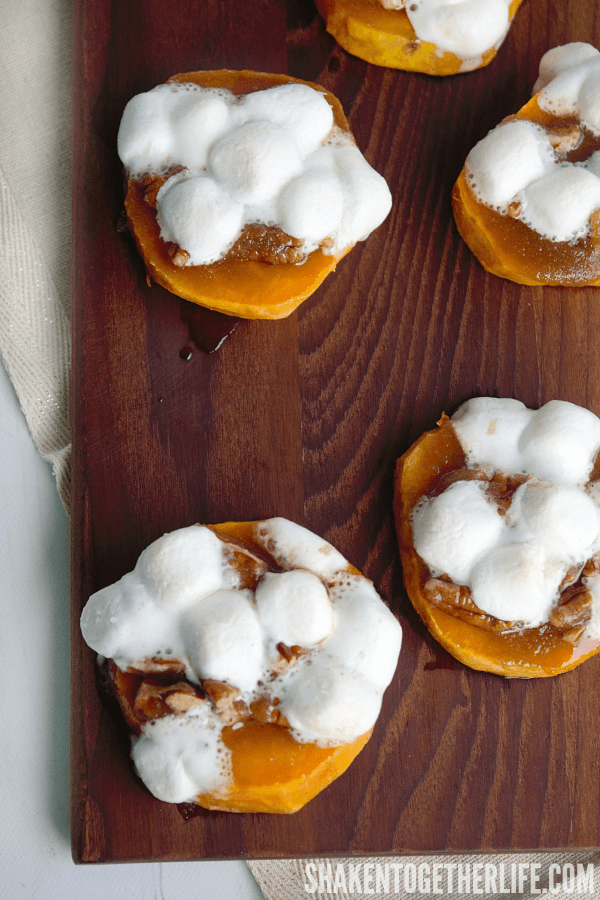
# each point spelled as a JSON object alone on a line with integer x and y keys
{"x": 304, "y": 418}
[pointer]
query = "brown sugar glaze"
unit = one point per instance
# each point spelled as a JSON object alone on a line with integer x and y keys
{"x": 507, "y": 246}
{"x": 478, "y": 640}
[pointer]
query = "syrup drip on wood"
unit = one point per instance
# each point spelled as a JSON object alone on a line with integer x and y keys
{"x": 207, "y": 328}
{"x": 189, "y": 811}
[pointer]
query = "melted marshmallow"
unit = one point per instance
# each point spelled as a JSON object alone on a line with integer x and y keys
{"x": 466, "y": 28}
{"x": 294, "y": 607}
{"x": 179, "y": 757}
{"x": 453, "y": 530}
{"x": 273, "y": 157}
{"x": 511, "y": 157}
{"x": 514, "y": 564}
{"x": 516, "y": 163}
{"x": 185, "y": 601}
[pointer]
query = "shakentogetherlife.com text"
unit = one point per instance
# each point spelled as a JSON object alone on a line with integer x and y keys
{"x": 363, "y": 879}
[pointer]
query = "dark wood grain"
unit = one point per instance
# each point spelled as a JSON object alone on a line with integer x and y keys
{"x": 304, "y": 418}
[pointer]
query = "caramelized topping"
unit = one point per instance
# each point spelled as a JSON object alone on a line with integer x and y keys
{"x": 226, "y": 700}
{"x": 502, "y": 487}
{"x": 265, "y": 710}
{"x": 287, "y": 656}
{"x": 565, "y": 137}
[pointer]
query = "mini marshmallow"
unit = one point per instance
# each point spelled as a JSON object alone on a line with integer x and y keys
{"x": 295, "y": 547}
{"x": 197, "y": 121}
{"x": 329, "y": 704}
{"x": 311, "y": 206}
{"x": 182, "y": 566}
{"x": 466, "y": 28}
{"x": 145, "y": 141}
{"x": 489, "y": 429}
{"x": 299, "y": 108}
{"x": 572, "y": 90}
{"x": 455, "y": 529}
{"x": 589, "y": 101}
{"x": 367, "y": 196}
{"x": 561, "y": 516}
{"x": 196, "y": 213}
{"x": 223, "y": 639}
{"x": 518, "y": 582}
{"x": 255, "y": 161}
{"x": 179, "y": 757}
{"x": 560, "y": 204}
{"x": 507, "y": 160}
{"x": 560, "y": 59}
{"x": 366, "y": 638}
{"x": 294, "y": 607}
{"x": 122, "y": 621}
{"x": 561, "y": 442}
{"x": 561, "y": 95}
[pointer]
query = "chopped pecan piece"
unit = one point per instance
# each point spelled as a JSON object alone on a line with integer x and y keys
{"x": 180, "y": 258}
{"x": 571, "y": 576}
{"x": 592, "y": 566}
{"x": 501, "y": 488}
{"x": 153, "y": 701}
{"x": 447, "y": 594}
{"x": 226, "y": 700}
{"x": 291, "y": 653}
{"x": 456, "y": 599}
{"x": 287, "y": 656}
{"x": 265, "y": 710}
{"x": 157, "y": 666}
{"x": 248, "y": 566}
{"x": 565, "y": 138}
{"x": 151, "y": 189}
{"x": 574, "y": 609}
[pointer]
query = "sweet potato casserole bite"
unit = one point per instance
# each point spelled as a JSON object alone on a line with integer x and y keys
{"x": 498, "y": 521}
{"x": 249, "y": 660}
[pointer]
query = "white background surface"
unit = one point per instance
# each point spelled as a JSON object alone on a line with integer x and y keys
{"x": 35, "y": 853}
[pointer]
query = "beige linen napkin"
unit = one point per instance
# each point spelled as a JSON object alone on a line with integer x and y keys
{"x": 35, "y": 226}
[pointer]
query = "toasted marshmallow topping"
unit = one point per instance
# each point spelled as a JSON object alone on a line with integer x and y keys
{"x": 517, "y": 164}
{"x": 186, "y": 600}
{"x": 466, "y": 28}
{"x": 514, "y": 564}
{"x": 273, "y": 157}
